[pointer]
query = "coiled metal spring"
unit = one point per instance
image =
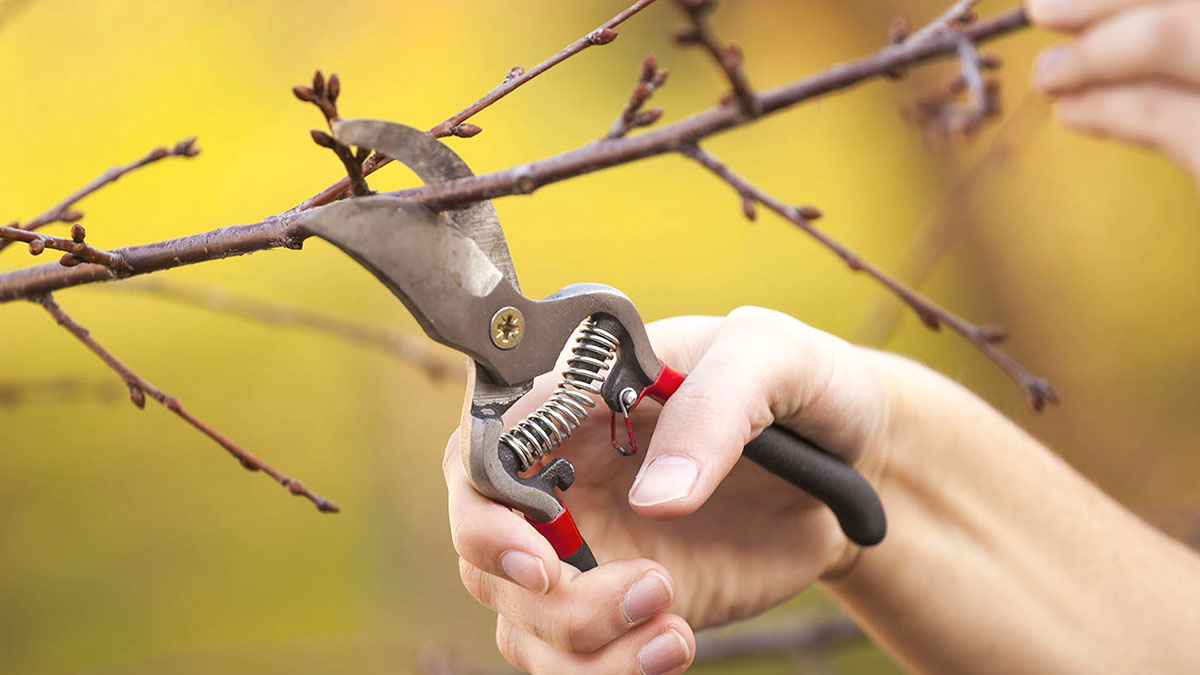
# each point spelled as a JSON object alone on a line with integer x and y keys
{"x": 565, "y": 411}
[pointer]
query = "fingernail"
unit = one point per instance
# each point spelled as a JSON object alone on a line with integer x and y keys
{"x": 663, "y": 653}
{"x": 525, "y": 570}
{"x": 666, "y": 479}
{"x": 647, "y": 597}
{"x": 1047, "y": 70}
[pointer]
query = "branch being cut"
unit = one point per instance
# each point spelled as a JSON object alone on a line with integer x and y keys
{"x": 1037, "y": 390}
{"x": 728, "y": 56}
{"x": 139, "y": 388}
{"x": 62, "y": 211}
{"x": 404, "y": 347}
{"x": 281, "y": 231}
{"x": 76, "y": 250}
{"x": 516, "y": 77}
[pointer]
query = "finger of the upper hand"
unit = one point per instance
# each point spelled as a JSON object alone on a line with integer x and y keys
{"x": 1157, "y": 114}
{"x": 1072, "y": 15}
{"x": 1159, "y": 40}
{"x": 491, "y": 536}
{"x": 584, "y": 612}
{"x": 664, "y": 645}
{"x": 759, "y": 365}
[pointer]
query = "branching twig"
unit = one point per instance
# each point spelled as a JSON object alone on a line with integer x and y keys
{"x": 324, "y": 96}
{"x": 1037, "y": 390}
{"x": 139, "y": 388}
{"x": 944, "y": 116}
{"x": 281, "y": 231}
{"x": 76, "y": 250}
{"x": 728, "y": 56}
{"x": 405, "y": 347}
{"x": 516, "y": 77}
{"x": 62, "y": 211}
{"x": 632, "y": 116}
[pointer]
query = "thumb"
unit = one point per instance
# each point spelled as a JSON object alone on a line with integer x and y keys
{"x": 760, "y": 367}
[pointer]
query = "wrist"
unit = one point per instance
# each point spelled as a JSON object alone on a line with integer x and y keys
{"x": 922, "y": 443}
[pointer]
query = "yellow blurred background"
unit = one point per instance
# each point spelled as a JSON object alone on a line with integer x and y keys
{"x": 129, "y": 543}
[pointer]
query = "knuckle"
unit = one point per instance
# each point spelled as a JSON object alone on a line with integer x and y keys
{"x": 508, "y": 642}
{"x": 477, "y": 584}
{"x": 1152, "y": 106}
{"x": 751, "y": 315}
{"x": 450, "y": 456}
{"x": 578, "y": 633}
{"x": 465, "y": 538}
{"x": 456, "y": 534}
{"x": 1170, "y": 34}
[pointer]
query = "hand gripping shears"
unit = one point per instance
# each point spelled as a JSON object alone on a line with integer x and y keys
{"x": 453, "y": 272}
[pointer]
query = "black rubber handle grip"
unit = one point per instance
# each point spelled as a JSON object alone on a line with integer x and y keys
{"x": 828, "y": 478}
{"x": 582, "y": 559}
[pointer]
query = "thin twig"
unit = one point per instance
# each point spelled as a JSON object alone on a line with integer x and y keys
{"x": 940, "y": 229}
{"x": 728, "y": 56}
{"x": 516, "y": 77}
{"x": 650, "y": 78}
{"x": 404, "y": 347}
{"x": 1038, "y": 391}
{"x": 62, "y": 211}
{"x": 76, "y": 250}
{"x": 140, "y": 388}
{"x": 281, "y": 231}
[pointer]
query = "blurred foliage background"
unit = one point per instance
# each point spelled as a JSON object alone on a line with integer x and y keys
{"x": 129, "y": 543}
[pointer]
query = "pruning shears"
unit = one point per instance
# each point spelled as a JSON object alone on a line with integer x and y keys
{"x": 453, "y": 272}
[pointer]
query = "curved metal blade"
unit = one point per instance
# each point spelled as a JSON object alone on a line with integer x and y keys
{"x": 433, "y": 162}
{"x": 436, "y": 270}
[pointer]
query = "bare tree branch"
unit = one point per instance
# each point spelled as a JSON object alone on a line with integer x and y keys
{"x": 728, "y": 56}
{"x": 1038, "y": 391}
{"x": 62, "y": 211}
{"x": 139, "y": 388}
{"x": 281, "y": 231}
{"x": 417, "y": 351}
{"x": 517, "y": 76}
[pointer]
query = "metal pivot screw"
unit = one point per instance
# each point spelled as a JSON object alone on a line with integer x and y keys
{"x": 629, "y": 397}
{"x": 508, "y": 327}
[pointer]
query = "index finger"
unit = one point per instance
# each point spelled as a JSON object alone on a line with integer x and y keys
{"x": 492, "y": 536}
